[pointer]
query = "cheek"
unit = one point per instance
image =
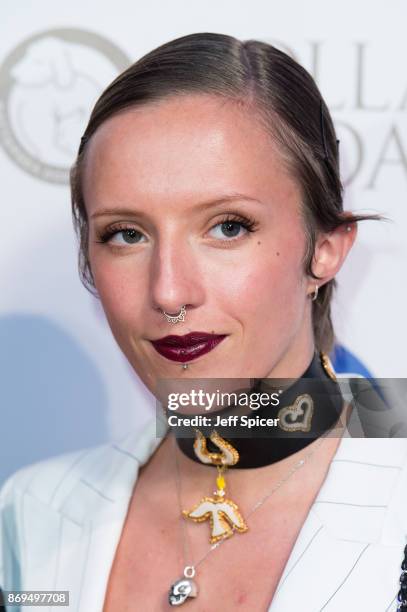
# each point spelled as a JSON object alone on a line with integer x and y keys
{"x": 119, "y": 289}
{"x": 266, "y": 288}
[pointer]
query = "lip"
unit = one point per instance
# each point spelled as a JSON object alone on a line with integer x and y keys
{"x": 187, "y": 347}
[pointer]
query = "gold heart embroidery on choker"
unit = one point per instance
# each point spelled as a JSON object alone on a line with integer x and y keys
{"x": 297, "y": 417}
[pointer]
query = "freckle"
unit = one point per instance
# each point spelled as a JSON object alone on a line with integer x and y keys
{"x": 277, "y": 253}
{"x": 259, "y": 242}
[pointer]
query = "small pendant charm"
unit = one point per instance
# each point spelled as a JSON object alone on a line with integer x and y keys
{"x": 183, "y": 588}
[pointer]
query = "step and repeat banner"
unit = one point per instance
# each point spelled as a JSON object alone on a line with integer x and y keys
{"x": 64, "y": 382}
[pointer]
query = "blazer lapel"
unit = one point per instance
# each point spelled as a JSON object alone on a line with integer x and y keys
{"x": 111, "y": 482}
{"x": 76, "y": 534}
{"x": 350, "y": 547}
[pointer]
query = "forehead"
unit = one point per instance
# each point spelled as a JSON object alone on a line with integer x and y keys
{"x": 182, "y": 149}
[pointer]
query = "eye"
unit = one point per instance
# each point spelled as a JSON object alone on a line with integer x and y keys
{"x": 129, "y": 236}
{"x": 122, "y": 236}
{"x": 232, "y": 227}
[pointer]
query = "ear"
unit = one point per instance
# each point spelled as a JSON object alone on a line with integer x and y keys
{"x": 331, "y": 250}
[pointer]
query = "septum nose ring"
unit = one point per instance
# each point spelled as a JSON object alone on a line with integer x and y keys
{"x": 175, "y": 318}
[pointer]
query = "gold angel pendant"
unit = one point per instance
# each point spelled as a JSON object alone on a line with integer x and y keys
{"x": 223, "y": 514}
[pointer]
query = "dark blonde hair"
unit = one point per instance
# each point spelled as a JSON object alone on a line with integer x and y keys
{"x": 274, "y": 87}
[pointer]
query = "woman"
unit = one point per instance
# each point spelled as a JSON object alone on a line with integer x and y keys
{"x": 207, "y": 198}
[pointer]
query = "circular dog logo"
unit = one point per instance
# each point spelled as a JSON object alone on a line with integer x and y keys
{"x": 48, "y": 86}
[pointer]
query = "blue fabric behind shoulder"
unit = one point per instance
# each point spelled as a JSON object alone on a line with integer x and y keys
{"x": 344, "y": 361}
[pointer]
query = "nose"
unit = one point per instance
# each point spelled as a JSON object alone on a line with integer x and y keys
{"x": 175, "y": 278}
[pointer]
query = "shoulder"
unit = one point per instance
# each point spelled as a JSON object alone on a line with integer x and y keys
{"x": 75, "y": 484}
{"x": 41, "y": 479}
{"x": 24, "y": 499}
{"x": 76, "y": 489}
{"x": 32, "y": 500}
{"x": 50, "y": 481}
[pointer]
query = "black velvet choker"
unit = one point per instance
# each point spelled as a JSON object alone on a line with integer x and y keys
{"x": 308, "y": 407}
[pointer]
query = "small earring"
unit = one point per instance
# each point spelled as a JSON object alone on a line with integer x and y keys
{"x": 348, "y": 228}
{"x": 315, "y": 295}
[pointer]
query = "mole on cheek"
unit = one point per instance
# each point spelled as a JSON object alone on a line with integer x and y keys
{"x": 277, "y": 253}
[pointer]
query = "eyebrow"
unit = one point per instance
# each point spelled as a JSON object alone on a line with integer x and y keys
{"x": 112, "y": 211}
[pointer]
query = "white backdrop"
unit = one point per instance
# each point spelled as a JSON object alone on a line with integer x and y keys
{"x": 64, "y": 382}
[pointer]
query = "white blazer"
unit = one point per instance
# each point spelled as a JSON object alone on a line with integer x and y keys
{"x": 62, "y": 520}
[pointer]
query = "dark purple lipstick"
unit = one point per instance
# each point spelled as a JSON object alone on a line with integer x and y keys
{"x": 185, "y": 348}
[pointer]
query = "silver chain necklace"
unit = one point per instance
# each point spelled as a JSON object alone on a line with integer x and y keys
{"x": 185, "y": 587}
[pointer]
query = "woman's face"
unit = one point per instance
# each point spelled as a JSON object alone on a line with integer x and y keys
{"x": 189, "y": 204}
